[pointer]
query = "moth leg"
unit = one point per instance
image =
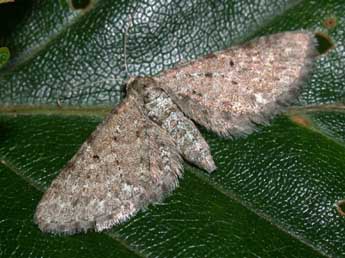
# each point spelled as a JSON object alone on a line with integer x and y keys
{"x": 190, "y": 143}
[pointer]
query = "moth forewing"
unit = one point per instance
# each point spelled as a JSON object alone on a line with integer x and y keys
{"x": 228, "y": 90}
{"x": 127, "y": 163}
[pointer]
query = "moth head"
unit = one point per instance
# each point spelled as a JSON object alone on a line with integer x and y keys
{"x": 140, "y": 84}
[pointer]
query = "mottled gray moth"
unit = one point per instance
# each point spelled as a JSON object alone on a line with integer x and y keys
{"x": 134, "y": 156}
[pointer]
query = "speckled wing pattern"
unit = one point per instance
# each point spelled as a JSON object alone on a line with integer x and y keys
{"x": 231, "y": 91}
{"x": 127, "y": 163}
{"x": 133, "y": 158}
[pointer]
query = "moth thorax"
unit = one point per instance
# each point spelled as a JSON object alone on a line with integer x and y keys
{"x": 151, "y": 94}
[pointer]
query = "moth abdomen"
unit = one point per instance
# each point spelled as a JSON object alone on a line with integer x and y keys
{"x": 161, "y": 109}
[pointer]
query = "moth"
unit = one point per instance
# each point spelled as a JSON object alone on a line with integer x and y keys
{"x": 134, "y": 157}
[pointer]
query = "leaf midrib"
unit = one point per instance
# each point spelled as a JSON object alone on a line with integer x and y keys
{"x": 27, "y": 54}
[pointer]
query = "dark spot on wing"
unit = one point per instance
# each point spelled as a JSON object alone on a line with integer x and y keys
{"x": 137, "y": 133}
{"x": 70, "y": 166}
{"x": 90, "y": 139}
{"x": 196, "y": 93}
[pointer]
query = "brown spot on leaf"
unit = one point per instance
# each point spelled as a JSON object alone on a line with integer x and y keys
{"x": 330, "y": 22}
{"x": 300, "y": 120}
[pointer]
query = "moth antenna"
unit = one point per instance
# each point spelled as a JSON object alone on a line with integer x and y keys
{"x": 125, "y": 41}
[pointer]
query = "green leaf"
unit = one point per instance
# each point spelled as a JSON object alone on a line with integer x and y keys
{"x": 274, "y": 193}
{"x": 4, "y": 56}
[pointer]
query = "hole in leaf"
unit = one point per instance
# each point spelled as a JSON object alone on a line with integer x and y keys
{"x": 340, "y": 205}
{"x": 80, "y": 4}
{"x": 330, "y": 22}
{"x": 324, "y": 42}
{"x": 11, "y": 15}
